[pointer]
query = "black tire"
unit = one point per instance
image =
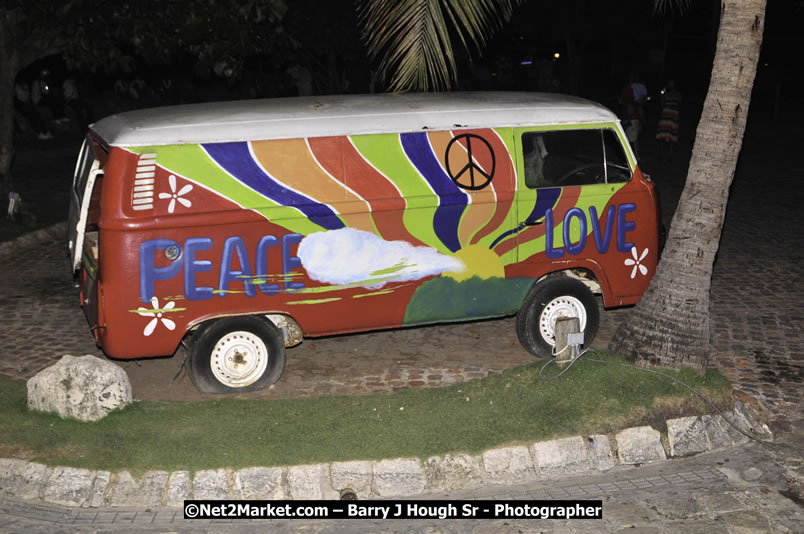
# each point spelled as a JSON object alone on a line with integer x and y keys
{"x": 219, "y": 348}
{"x": 562, "y": 295}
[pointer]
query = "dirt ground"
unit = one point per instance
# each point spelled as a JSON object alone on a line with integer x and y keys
{"x": 374, "y": 362}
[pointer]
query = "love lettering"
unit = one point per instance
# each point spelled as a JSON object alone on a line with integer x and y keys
{"x": 601, "y": 230}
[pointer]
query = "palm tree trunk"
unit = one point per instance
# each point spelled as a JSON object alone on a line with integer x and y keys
{"x": 670, "y": 325}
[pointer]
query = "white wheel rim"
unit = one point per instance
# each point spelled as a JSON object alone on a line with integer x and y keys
{"x": 239, "y": 359}
{"x": 563, "y": 306}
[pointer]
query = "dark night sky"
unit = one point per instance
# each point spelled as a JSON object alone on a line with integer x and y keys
{"x": 612, "y": 38}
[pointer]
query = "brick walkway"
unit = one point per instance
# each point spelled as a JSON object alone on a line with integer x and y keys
{"x": 757, "y": 318}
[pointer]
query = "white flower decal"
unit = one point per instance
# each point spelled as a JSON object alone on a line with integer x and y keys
{"x": 156, "y": 313}
{"x": 635, "y": 262}
{"x": 176, "y": 195}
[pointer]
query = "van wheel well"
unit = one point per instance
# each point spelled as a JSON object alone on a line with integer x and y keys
{"x": 292, "y": 333}
{"x": 585, "y": 276}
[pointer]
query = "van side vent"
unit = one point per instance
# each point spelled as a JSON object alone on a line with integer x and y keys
{"x": 143, "y": 195}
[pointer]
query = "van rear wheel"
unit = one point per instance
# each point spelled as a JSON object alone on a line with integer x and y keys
{"x": 548, "y": 301}
{"x": 236, "y": 355}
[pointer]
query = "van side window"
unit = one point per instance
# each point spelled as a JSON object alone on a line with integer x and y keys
{"x": 573, "y": 157}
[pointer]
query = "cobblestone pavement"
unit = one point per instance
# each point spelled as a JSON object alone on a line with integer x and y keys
{"x": 738, "y": 490}
{"x": 756, "y": 314}
{"x": 757, "y": 337}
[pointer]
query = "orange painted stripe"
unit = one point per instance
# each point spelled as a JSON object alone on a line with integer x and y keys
{"x": 504, "y": 180}
{"x": 291, "y": 162}
{"x": 327, "y": 151}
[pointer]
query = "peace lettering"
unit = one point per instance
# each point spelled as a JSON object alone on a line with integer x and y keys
{"x": 233, "y": 246}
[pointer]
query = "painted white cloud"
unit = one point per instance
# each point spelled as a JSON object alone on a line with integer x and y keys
{"x": 349, "y": 256}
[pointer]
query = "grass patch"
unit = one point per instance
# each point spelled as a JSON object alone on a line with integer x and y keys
{"x": 514, "y": 406}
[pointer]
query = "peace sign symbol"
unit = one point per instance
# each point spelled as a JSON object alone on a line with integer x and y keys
{"x": 470, "y": 176}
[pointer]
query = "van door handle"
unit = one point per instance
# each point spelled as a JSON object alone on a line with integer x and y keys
{"x": 531, "y": 223}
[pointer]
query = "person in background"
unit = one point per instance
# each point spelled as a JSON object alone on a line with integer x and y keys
{"x": 667, "y": 131}
{"x": 26, "y": 115}
{"x": 42, "y": 98}
{"x": 640, "y": 91}
{"x": 77, "y": 108}
{"x": 631, "y": 112}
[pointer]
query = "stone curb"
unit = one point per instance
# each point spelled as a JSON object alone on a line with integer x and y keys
{"x": 58, "y": 230}
{"x": 401, "y": 477}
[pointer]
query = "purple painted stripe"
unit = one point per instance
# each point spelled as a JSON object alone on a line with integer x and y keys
{"x": 452, "y": 200}
{"x": 235, "y": 158}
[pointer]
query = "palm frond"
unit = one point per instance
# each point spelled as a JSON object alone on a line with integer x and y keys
{"x": 666, "y": 6}
{"x": 411, "y": 39}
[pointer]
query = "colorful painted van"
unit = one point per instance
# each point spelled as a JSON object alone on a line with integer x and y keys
{"x": 238, "y": 228}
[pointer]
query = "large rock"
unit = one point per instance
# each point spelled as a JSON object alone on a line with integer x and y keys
{"x": 86, "y": 388}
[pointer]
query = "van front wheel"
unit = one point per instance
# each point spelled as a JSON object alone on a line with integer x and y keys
{"x": 236, "y": 355}
{"x": 548, "y": 301}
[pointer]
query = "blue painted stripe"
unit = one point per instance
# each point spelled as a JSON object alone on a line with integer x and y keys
{"x": 235, "y": 158}
{"x": 452, "y": 201}
{"x": 504, "y": 235}
{"x": 545, "y": 200}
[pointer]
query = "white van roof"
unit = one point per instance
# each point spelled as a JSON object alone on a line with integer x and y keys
{"x": 282, "y": 118}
